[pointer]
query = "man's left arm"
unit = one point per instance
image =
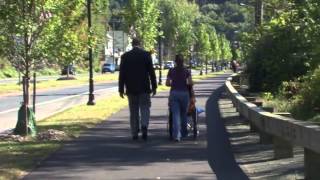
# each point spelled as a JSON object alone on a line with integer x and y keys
{"x": 121, "y": 78}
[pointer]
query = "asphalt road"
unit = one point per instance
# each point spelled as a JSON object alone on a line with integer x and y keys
{"x": 50, "y": 102}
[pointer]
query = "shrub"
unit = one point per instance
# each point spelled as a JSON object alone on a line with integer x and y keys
{"x": 306, "y": 103}
{"x": 8, "y": 72}
{"x": 311, "y": 88}
{"x": 288, "y": 89}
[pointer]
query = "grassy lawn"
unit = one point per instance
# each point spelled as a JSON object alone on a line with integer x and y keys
{"x": 17, "y": 158}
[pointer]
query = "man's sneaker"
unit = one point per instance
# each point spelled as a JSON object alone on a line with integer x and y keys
{"x": 144, "y": 133}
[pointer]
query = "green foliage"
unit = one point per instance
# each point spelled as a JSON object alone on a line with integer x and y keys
{"x": 225, "y": 48}
{"x": 142, "y": 19}
{"x": 8, "y": 72}
{"x": 204, "y": 46}
{"x": 283, "y": 56}
{"x": 285, "y": 48}
{"x": 21, "y": 26}
{"x": 177, "y": 24}
{"x": 228, "y": 18}
{"x": 215, "y": 52}
{"x": 67, "y": 39}
{"x": 267, "y": 96}
{"x": 289, "y": 89}
{"x": 309, "y": 92}
{"x": 185, "y": 15}
{"x": 168, "y": 23}
{"x": 55, "y": 32}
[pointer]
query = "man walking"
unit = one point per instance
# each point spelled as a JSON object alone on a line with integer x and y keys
{"x": 136, "y": 76}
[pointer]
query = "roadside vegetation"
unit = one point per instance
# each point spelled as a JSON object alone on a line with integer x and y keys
{"x": 283, "y": 57}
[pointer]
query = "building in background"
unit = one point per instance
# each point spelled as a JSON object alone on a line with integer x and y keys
{"x": 118, "y": 42}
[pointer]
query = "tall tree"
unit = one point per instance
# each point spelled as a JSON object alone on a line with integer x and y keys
{"x": 177, "y": 24}
{"x": 142, "y": 20}
{"x": 215, "y": 45}
{"x": 185, "y": 15}
{"x": 34, "y": 32}
{"x": 22, "y": 26}
{"x": 226, "y": 53}
{"x": 68, "y": 39}
{"x": 204, "y": 46}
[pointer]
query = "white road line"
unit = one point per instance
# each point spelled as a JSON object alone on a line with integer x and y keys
{"x": 56, "y": 100}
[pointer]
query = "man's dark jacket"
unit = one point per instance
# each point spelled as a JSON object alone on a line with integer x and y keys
{"x": 137, "y": 72}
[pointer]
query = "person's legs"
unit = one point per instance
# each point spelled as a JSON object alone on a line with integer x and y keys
{"x": 175, "y": 110}
{"x": 184, "y": 102}
{"x": 144, "y": 105}
{"x": 134, "y": 115}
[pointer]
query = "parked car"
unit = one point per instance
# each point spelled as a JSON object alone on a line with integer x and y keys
{"x": 168, "y": 65}
{"x": 108, "y": 67}
{"x": 117, "y": 67}
{"x": 70, "y": 68}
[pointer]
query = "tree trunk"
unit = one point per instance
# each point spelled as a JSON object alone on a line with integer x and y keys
{"x": 212, "y": 66}
{"x": 27, "y": 42}
{"x": 68, "y": 72}
{"x": 206, "y": 66}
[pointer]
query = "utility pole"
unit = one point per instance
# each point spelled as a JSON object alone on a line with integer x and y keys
{"x": 91, "y": 89}
{"x": 113, "y": 41}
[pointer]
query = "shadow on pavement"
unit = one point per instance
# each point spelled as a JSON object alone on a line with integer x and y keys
{"x": 221, "y": 158}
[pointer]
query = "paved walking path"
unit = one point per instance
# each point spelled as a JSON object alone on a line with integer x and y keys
{"x": 107, "y": 151}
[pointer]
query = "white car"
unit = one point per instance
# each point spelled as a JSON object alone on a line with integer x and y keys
{"x": 168, "y": 65}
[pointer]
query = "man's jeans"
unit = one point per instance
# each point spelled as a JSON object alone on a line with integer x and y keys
{"x": 142, "y": 103}
{"x": 179, "y": 101}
